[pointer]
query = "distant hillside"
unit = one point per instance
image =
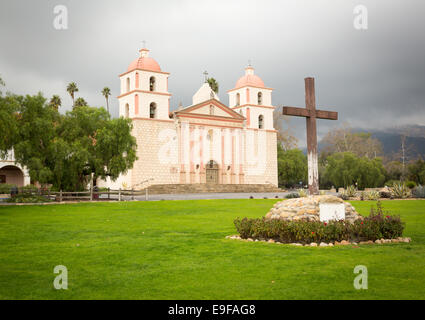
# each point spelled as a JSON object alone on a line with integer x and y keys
{"x": 391, "y": 141}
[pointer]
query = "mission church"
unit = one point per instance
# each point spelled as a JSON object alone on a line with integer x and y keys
{"x": 207, "y": 142}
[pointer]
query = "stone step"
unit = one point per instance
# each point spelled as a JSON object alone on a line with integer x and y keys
{"x": 211, "y": 188}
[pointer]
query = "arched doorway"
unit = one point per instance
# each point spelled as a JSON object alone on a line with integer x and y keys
{"x": 12, "y": 175}
{"x": 211, "y": 171}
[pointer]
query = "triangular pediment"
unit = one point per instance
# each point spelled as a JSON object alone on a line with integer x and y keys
{"x": 211, "y": 108}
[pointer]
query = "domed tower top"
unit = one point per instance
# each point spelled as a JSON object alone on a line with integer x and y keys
{"x": 144, "y": 62}
{"x": 144, "y": 89}
{"x": 251, "y": 98}
{"x": 249, "y": 79}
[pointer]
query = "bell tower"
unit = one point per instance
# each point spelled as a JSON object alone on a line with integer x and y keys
{"x": 144, "y": 90}
{"x": 251, "y": 98}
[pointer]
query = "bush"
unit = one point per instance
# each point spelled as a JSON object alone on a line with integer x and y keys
{"x": 5, "y": 188}
{"x": 349, "y": 192}
{"x": 410, "y": 184}
{"x": 400, "y": 191}
{"x": 419, "y": 192}
{"x": 27, "y": 198}
{"x": 302, "y": 193}
{"x": 292, "y": 195}
{"x": 390, "y": 183}
{"x": 376, "y": 226}
{"x": 371, "y": 195}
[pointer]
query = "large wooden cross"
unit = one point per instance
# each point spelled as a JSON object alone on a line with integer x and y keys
{"x": 311, "y": 114}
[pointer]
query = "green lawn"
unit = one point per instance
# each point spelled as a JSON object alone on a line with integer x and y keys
{"x": 178, "y": 250}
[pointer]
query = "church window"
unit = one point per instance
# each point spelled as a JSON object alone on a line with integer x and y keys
{"x": 260, "y": 98}
{"x": 128, "y": 84}
{"x": 211, "y": 110}
{"x": 152, "y": 110}
{"x": 238, "y": 99}
{"x": 152, "y": 84}
{"x": 260, "y": 122}
{"x": 127, "y": 111}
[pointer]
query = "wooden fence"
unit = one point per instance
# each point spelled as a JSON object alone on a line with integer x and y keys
{"x": 91, "y": 195}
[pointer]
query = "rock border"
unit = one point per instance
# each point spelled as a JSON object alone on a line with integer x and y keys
{"x": 324, "y": 244}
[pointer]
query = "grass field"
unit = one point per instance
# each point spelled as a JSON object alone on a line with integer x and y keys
{"x": 178, "y": 250}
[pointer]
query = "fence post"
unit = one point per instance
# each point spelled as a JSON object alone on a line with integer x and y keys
{"x": 60, "y": 195}
{"x": 119, "y": 194}
{"x": 146, "y": 194}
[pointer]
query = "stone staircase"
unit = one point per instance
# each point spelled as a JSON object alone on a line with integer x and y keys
{"x": 210, "y": 188}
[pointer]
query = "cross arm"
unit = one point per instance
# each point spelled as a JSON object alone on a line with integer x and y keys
{"x": 306, "y": 113}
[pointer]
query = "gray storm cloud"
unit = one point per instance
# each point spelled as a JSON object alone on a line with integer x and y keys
{"x": 374, "y": 78}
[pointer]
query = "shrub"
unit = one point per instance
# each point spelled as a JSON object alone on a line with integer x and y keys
{"x": 390, "y": 183}
{"x": 371, "y": 195}
{"x": 5, "y": 188}
{"x": 349, "y": 192}
{"x": 400, "y": 191}
{"x": 292, "y": 195}
{"x": 28, "y": 189}
{"x": 410, "y": 184}
{"x": 376, "y": 226}
{"x": 302, "y": 193}
{"x": 419, "y": 192}
{"x": 385, "y": 194}
{"x": 27, "y": 198}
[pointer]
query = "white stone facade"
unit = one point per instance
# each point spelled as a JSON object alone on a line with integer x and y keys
{"x": 207, "y": 142}
{"x": 13, "y": 173}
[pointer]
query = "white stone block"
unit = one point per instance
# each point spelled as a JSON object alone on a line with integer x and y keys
{"x": 332, "y": 211}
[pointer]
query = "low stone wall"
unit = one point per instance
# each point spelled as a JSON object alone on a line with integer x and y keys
{"x": 307, "y": 208}
{"x": 324, "y": 244}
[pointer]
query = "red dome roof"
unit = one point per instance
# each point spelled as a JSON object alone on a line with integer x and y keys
{"x": 249, "y": 79}
{"x": 144, "y": 63}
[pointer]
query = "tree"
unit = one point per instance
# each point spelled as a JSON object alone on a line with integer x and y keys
{"x": 106, "y": 92}
{"x": 213, "y": 84}
{"x": 80, "y": 102}
{"x": 343, "y": 139}
{"x": 394, "y": 170}
{"x": 292, "y": 167}
{"x": 345, "y": 168}
{"x": 37, "y": 147}
{"x": 284, "y": 136}
{"x": 8, "y": 121}
{"x": 64, "y": 150}
{"x": 97, "y": 145}
{"x": 72, "y": 88}
{"x": 2, "y": 84}
{"x": 55, "y": 102}
{"x": 416, "y": 171}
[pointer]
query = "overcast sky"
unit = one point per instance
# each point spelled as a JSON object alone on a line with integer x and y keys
{"x": 374, "y": 78}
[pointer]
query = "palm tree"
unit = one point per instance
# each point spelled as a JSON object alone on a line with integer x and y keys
{"x": 72, "y": 88}
{"x": 55, "y": 102}
{"x": 80, "y": 102}
{"x": 106, "y": 92}
{"x": 213, "y": 84}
